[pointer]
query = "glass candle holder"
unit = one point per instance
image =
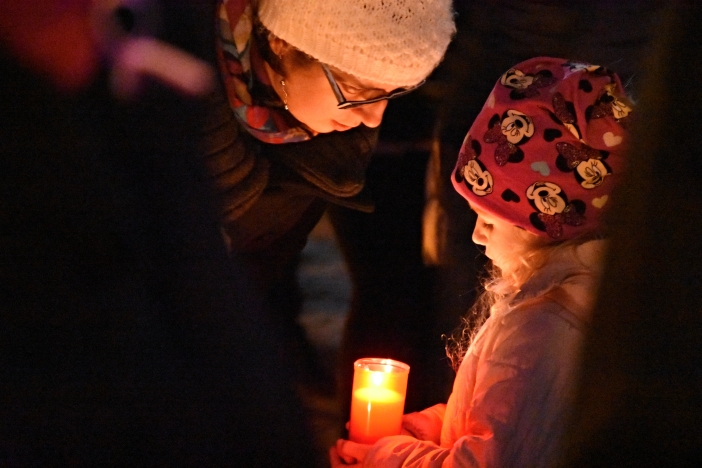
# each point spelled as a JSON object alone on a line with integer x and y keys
{"x": 378, "y": 399}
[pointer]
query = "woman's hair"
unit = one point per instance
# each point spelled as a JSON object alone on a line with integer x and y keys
{"x": 499, "y": 286}
{"x": 262, "y": 37}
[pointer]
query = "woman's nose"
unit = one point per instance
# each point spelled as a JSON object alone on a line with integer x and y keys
{"x": 372, "y": 114}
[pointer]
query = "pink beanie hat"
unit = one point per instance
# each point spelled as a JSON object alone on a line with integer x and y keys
{"x": 547, "y": 148}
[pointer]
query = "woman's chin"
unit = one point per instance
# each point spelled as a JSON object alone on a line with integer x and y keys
{"x": 326, "y": 126}
{"x": 339, "y": 127}
{"x": 320, "y": 128}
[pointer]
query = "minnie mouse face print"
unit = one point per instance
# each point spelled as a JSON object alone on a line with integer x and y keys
{"x": 471, "y": 170}
{"x": 553, "y": 209}
{"x": 512, "y": 129}
{"x": 591, "y": 173}
{"x": 525, "y": 85}
{"x": 517, "y": 127}
{"x": 516, "y": 79}
{"x": 546, "y": 198}
{"x": 479, "y": 179}
{"x": 609, "y": 104}
{"x": 587, "y": 163}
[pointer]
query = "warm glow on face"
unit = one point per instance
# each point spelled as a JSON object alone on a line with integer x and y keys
{"x": 505, "y": 244}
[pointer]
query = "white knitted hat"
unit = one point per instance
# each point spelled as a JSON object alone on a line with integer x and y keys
{"x": 394, "y": 42}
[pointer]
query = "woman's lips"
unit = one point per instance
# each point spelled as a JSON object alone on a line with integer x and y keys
{"x": 339, "y": 127}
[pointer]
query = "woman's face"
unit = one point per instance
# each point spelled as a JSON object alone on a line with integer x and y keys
{"x": 311, "y": 99}
{"x": 504, "y": 242}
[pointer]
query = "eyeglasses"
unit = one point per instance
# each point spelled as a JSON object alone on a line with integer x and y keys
{"x": 344, "y": 104}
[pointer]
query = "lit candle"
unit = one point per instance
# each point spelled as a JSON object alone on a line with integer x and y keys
{"x": 378, "y": 399}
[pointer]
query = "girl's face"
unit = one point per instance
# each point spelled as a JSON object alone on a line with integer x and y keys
{"x": 504, "y": 242}
{"x": 311, "y": 99}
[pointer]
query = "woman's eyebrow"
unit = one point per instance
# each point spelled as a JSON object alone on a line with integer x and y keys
{"x": 351, "y": 80}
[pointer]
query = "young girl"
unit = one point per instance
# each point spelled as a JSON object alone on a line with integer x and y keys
{"x": 538, "y": 166}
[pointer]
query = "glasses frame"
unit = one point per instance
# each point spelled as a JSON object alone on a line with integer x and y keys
{"x": 344, "y": 104}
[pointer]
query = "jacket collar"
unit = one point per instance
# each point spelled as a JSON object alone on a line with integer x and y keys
{"x": 576, "y": 271}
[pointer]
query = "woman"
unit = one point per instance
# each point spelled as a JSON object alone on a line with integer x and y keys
{"x": 306, "y": 91}
{"x": 305, "y": 87}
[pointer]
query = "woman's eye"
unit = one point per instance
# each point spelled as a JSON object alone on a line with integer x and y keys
{"x": 352, "y": 89}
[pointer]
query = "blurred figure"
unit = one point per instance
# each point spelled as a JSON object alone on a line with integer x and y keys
{"x": 641, "y": 393}
{"x": 127, "y": 336}
{"x": 55, "y": 40}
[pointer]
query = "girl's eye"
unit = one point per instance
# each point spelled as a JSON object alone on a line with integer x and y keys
{"x": 485, "y": 224}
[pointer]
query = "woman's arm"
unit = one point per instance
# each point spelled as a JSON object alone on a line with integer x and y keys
{"x": 238, "y": 176}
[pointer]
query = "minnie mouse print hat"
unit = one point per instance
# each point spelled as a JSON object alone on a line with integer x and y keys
{"x": 548, "y": 147}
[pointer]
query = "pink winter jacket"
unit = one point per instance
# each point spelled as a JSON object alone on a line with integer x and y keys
{"x": 512, "y": 393}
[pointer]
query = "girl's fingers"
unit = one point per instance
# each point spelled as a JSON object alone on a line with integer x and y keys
{"x": 337, "y": 462}
{"x": 351, "y": 451}
{"x": 348, "y": 458}
{"x": 334, "y": 458}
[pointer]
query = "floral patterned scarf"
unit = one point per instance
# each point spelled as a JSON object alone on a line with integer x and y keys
{"x": 251, "y": 96}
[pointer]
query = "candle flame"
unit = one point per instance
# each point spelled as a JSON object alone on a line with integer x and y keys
{"x": 377, "y": 378}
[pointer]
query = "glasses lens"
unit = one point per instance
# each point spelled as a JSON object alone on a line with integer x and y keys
{"x": 392, "y": 95}
{"x": 344, "y": 104}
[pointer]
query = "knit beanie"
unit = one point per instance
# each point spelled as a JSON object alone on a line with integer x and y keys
{"x": 548, "y": 147}
{"x": 394, "y": 42}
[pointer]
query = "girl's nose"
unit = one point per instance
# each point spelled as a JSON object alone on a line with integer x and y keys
{"x": 372, "y": 114}
{"x": 479, "y": 236}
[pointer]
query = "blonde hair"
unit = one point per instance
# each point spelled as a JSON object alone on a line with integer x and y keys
{"x": 499, "y": 288}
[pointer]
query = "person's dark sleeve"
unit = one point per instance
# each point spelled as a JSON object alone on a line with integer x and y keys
{"x": 127, "y": 336}
{"x": 304, "y": 178}
{"x": 265, "y": 191}
{"x": 237, "y": 175}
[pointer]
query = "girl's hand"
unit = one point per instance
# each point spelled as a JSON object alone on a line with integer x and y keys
{"x": 347, "y": 453}
{"x": 420, "y": 426}
{"x": 426, "y": 424}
